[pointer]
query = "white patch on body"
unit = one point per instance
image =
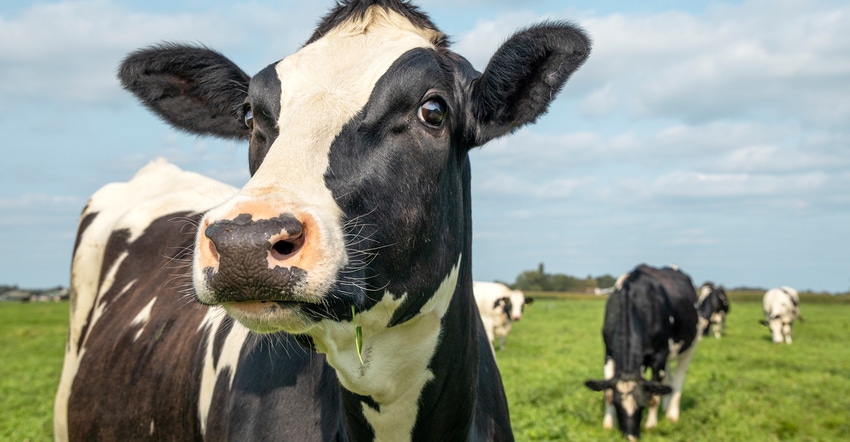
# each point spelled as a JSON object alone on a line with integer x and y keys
{"x": 229, "y": 358}
{"x": 142, "y": 319}
{"x": 395, "y": 368}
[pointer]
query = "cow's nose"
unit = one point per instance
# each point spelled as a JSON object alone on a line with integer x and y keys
{"x": 265, "y": 243}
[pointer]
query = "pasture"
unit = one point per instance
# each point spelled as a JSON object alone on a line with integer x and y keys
{"x": 742, "y": 387}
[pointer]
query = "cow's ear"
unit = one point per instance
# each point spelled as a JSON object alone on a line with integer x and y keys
{"x": 598, "y": 385}
{"x": 524, "y": 76}
{"x": 658, "y": 388}
{"x": 764, "y": 323}
{"x": 193, "y": 89}
{"x": 529, "y": 300}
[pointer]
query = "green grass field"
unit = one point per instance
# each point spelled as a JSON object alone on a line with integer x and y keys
{"x": 740, "y": 388}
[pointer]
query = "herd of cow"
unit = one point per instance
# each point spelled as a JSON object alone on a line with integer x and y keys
{"x": 653, "y": 317}
{"x": 331, "y": 297}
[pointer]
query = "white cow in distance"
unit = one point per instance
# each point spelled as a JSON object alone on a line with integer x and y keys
{"x": 499, "y": 307}
{"x": 781, "y": 309}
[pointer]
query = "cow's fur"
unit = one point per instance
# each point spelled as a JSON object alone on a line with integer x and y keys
{"x": 713, "y": 308}
{"x": 781, "y": 308}
{"x": 650, "y": 321}
{"x": 352, "y": 239}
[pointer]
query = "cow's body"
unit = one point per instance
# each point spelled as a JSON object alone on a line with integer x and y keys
{"x": 650, "y": 321}
{"x": 781, "y": 308}
{"x": 713, "y": 308}
{"x": 352, "y": 239}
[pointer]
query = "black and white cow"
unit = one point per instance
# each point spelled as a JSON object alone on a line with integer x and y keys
{"x": 345, "y": 259}
{"x": 781, "y": 308}
{"x": 650, "y": 320}
{"x": 713, "y": 306}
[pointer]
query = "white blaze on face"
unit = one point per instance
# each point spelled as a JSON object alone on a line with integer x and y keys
{"x": 323, "y": 86}
{"x": 627, "y": 398}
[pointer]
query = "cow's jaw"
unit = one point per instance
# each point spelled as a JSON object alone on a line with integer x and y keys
{"x": 323, "y": 86}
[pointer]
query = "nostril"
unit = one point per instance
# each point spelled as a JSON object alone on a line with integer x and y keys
{"x": 284, "y": 247}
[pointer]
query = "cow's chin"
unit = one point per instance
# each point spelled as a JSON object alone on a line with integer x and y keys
{"x": 270, "y": 317}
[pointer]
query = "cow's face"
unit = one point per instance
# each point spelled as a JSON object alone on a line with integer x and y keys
{"x": 630, "y": 395}
{"x": 780, "y": 327}
{"x": 358, "y": 155}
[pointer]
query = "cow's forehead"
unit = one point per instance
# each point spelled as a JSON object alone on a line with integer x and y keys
{"x": 324, "y": 85}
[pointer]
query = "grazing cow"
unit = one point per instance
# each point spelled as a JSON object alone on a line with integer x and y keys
{"x": 334, "y": 289}
{"x": 713, "y": 306}
{"x": 650, "y": 320}
{"x": 781, "y": 309}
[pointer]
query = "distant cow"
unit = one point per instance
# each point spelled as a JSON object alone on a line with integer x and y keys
{"x": 499, "y": 307}
{"x": 713, "y": 308}
{"x": 650, "y": 320}
{"x": 781, "y": 308}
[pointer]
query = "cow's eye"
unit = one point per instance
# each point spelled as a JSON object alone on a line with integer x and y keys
{"x": 249, "y": 118}
{"x": 433, "y": 112}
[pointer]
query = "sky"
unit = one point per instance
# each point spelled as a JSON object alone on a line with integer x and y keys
{"x": 713, "y": 135}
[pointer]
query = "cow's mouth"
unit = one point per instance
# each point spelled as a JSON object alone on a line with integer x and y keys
{"x": 272, "y": 316}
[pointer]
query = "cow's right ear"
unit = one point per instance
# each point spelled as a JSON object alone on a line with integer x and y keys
{"x": 599, "y": 385}
{"x": 764, "y": 323}
{"x": 194, "y": 89}
{"x": 523, "y": 77}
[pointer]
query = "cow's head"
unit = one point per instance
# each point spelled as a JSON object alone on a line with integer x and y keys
{"x": 630, "y": 395}
{"x": 780, "y": 326}
{"x": 518, "y": 301}
{"x": 358, "y": 149}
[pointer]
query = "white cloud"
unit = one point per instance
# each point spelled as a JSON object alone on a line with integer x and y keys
{"x": 758, "y": 58}
{"x": 69, "y": 51}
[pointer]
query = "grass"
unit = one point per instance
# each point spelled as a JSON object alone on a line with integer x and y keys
{"x": 741, "y": 387}
{"x": 32, "y": 345}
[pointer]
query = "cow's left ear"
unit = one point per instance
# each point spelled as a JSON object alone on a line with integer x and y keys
{"x": 192, "y": 88}
{"x": 524, "y": 76}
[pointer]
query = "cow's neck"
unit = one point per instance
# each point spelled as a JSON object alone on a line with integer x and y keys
{"x": 385, "y": 394}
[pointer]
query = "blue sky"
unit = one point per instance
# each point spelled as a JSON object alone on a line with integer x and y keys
{"x": 709, "y": 134}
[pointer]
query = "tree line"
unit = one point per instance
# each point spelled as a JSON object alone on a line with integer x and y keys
{"x": 540, "y": 281}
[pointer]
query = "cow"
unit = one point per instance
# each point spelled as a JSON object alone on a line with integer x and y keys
{"x": 781, "y": 308}
{"x": 651, "y": 320}
{"x": 713, "y": 306}
{"x": 330, "y": 297}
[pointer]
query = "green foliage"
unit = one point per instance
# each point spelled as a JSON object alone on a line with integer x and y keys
{"x": 540, "y": 281}
{"x": 741, "y": 387}
{"x": 32, "y": 345}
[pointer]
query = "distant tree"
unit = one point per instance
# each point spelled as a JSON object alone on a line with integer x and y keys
{"x": 605, "y": 281}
